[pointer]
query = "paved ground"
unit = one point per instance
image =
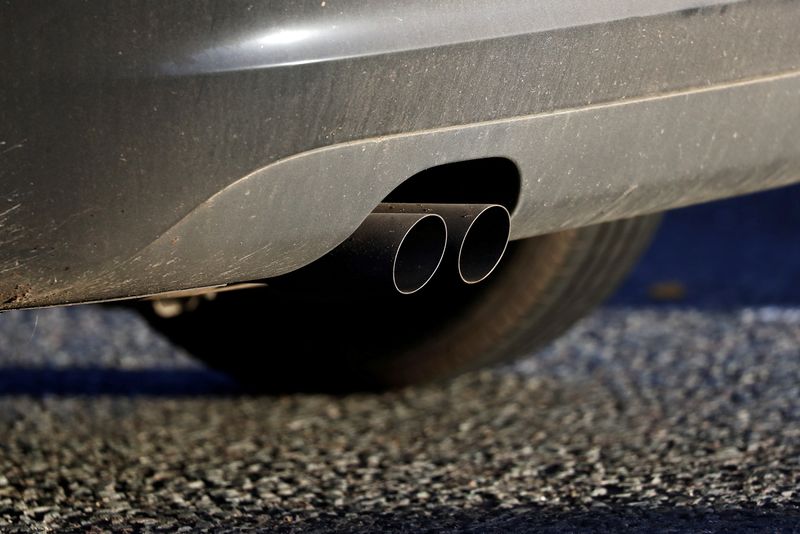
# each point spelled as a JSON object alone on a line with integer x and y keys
{"x": 648, "y": 416}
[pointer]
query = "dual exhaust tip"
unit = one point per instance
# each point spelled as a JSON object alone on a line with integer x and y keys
{"x": 404, "y": 245}
{"x": 469, "y": 239}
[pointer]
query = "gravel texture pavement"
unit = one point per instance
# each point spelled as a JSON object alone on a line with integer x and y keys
{"x": 648, "y": 416}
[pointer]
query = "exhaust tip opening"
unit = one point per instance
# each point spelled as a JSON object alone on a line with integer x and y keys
{"x": 484, "y": 244}
{"x": 419, "y": 254}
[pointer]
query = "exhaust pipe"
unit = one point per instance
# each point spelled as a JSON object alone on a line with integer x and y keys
{"x": 388, "y": 252}
{"x": 478, "y": 235}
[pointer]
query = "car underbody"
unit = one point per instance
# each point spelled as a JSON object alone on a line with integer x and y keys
{"x": 153, "y": 147}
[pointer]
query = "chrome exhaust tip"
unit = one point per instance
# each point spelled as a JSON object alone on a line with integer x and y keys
{"x": 389, "y": 252}
{"x": 477, "y": 235}
{"x": 419, "y": 253}
{"x": 484, "y": 243}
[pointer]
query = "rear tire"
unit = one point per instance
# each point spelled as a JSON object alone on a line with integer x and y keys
{"x": 285, "y": 342}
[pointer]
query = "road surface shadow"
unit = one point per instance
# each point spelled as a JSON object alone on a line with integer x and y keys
{"x": 740, "y": 252}
{"x": 633, "y": 518}
{"x": 94, "y": 381}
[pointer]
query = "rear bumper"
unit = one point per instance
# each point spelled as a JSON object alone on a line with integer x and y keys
{"x": 161, "y": 149}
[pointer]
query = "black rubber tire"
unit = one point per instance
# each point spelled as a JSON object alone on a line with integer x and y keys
{"x": 281, "y": 342}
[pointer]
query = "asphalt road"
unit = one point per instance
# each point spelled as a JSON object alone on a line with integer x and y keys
{"x": 676, "y": 408}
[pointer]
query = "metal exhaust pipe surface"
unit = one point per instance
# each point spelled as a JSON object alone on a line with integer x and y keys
{"x": 477, "y": 235}
{"x": 410, "y": 246}
{"x": 388, "y": 252}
